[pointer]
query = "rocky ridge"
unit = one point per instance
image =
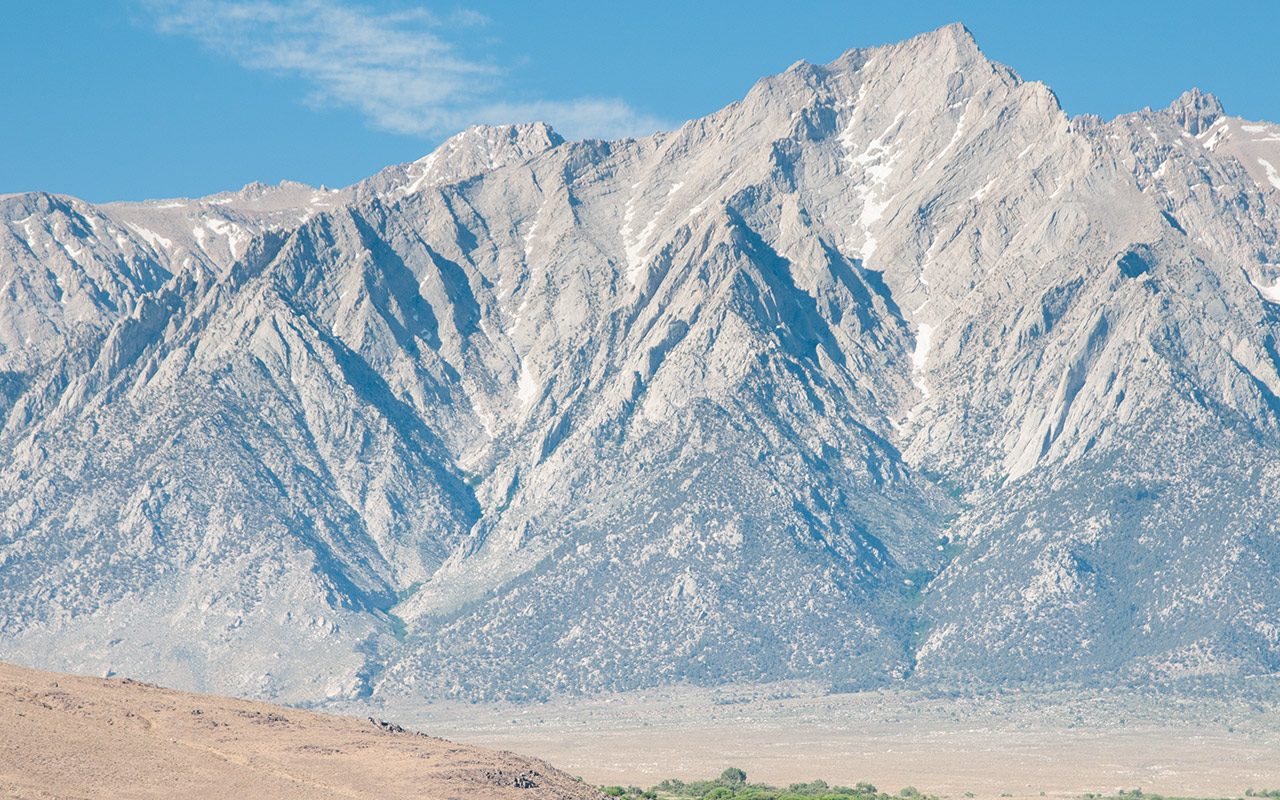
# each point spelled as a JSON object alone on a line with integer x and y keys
{"x": 890, "y": 370}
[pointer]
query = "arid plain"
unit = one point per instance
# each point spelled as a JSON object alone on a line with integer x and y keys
{"x": 1014, "y": 744}
{"x": 65, "y": 736}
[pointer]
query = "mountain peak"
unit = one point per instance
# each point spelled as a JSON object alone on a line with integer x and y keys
{"x": 1196, "y": 110}
{"x": 476, "y": 150}
{"x": 958, "y": 31}
{"x": 481, "y": 148}
{"x": 524, "y": 419}
{"x": 954, "y": 37}
{"x": 501, "y": 141}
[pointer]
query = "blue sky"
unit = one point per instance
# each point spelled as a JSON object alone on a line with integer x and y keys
{"x": 133, "y": 99}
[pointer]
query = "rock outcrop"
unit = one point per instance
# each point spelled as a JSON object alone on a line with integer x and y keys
{"x": 889, "y": 370}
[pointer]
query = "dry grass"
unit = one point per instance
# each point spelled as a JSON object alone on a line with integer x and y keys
{"x": 76, "y": 737}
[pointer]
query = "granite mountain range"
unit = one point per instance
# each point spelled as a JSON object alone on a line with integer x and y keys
{"x": 890, "y": 371}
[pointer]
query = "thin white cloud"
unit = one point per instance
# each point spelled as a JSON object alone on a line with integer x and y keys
{"x": 398, "y": 69}
{"x": 585, "y": 118}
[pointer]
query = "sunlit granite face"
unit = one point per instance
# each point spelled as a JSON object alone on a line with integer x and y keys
{"x": 888, "y": 372}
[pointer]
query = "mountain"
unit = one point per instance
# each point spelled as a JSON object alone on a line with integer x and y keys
{"x": 890, "y": 371}
{"x": 71, "y": 736}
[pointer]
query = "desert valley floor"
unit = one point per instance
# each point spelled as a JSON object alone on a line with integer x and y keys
{"x": 70, "y": 736}
{"x": 1017, "y": 744}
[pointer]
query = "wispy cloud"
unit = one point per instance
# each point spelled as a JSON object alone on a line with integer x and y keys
{"x": 596, "y": 118}
{"x": 399, "y": 69}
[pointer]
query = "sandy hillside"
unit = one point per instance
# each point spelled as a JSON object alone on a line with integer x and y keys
{"x": 63, "y": 736}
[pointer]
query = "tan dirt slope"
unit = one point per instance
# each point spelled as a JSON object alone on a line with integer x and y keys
{"x": 64, "y": 736}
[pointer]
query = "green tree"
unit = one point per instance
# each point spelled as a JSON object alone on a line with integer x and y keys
{"x": 733, "y": 776}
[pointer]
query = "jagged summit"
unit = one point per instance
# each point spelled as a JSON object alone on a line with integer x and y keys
{"x": 502, "y": 142}
{"x": 953, "y": 35}
{"x": 478, "y": 149}
{"x": 886, "y": 372}
{"x": 1196, "y": 110}
{"x": 952, "y": 43}
{"x": 486, "y": 147}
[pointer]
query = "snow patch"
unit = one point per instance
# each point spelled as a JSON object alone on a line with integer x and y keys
{"x": 1269, "y": 293}
{"x": 528, "y": 237}
{"x": 634, "y": 250}
{"x": 152, "y": 238}
{"x": 1272, "y": 175}
{"x": 1272, "y": 132}
{"x": 876, "y": 150}
{"x": 426, "y": 162}
{"x": 1214, "y": 138}
{"x": 869, "y": 245}
{"x": 483, "y": 417}
{"x": 871, "y": 210}
{"x": 981, "y": 193}
{"x": 955, "y": 137}
{"x": 1209, "y": 137}
{"x": 238, "y": 237}
{"x": 877, "y": 161}
{"x": 637, "y": 248}
{"x": 923, "y": 340}
{"x": 527, "y": 386}
{"x": 73, "y": 253}
{"x": 26, "y": 228}
{"x": 880, "y": 172}
{"x": 846, "y": 136}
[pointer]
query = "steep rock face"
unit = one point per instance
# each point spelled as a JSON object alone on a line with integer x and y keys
{"x": 1135, "y": 534}
{"x": 888, "y": 369}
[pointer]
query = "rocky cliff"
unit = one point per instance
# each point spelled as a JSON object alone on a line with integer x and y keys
{"x": 890, "y": 370}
